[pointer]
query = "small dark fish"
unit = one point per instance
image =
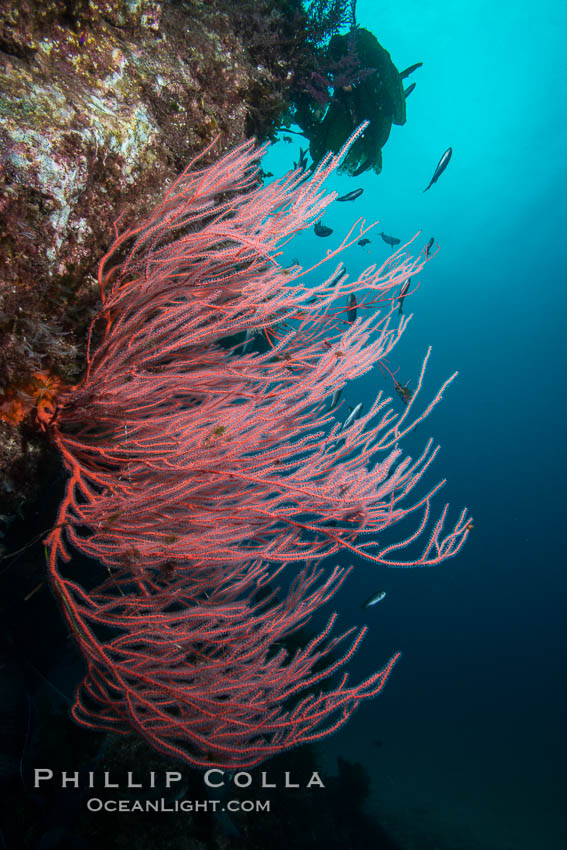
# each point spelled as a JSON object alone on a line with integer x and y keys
{"x": 302, "y": 160}
{"x": 375, "y": 598}
{"x": 287, "y": 139}
{"x": 404, "y": 392}
{"x": 364, "y": 242}
{"x": 354, "y": 414}
{"x": 441, "y": 166}
{"x": 428, "y": 247}
{"x": 335, "y": 398}
{"x": 410, "y": 70}
{"x": 352, "y": 304}
{"x": 403, "y": 293}
{"x": 321, "y": 230}
{"x": 390, "y": 240}
{"x": 409, "y": 90}
{"x": 351, "y": 196}
{"x": 339, "y": 275}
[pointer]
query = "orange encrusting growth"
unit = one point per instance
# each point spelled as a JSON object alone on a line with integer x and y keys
{"x": 39, "y": 394}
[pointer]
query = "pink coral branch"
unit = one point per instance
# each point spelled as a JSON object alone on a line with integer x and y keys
{"x": 199, "y": 472}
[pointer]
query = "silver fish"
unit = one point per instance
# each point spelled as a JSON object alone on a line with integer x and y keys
{"x": 441, "y": 166}
{"x": 374, "y": 599}
{"x": 335, "y": 398}
{"x": 354, "y": 414}
{"x": 403, "y": 293}
{"x": 339, "y": 275}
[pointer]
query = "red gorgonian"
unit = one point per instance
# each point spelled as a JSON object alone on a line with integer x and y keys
{"x": 200, "y": 470}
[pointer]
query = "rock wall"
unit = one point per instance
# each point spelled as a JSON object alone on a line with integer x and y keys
{"x": 102, "y": 103}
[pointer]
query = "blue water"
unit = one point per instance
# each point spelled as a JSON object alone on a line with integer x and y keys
{"x": 466, "y": 744}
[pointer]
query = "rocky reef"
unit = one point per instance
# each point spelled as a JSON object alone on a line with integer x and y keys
{"x": 102, "y": 103}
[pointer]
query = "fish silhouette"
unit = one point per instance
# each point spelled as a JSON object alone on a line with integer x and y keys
{"x": 441, "y": 166}
{"x": 321, "y": 230}
{"x": 390, "y": 240}
{"x": 351, "y": 196}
